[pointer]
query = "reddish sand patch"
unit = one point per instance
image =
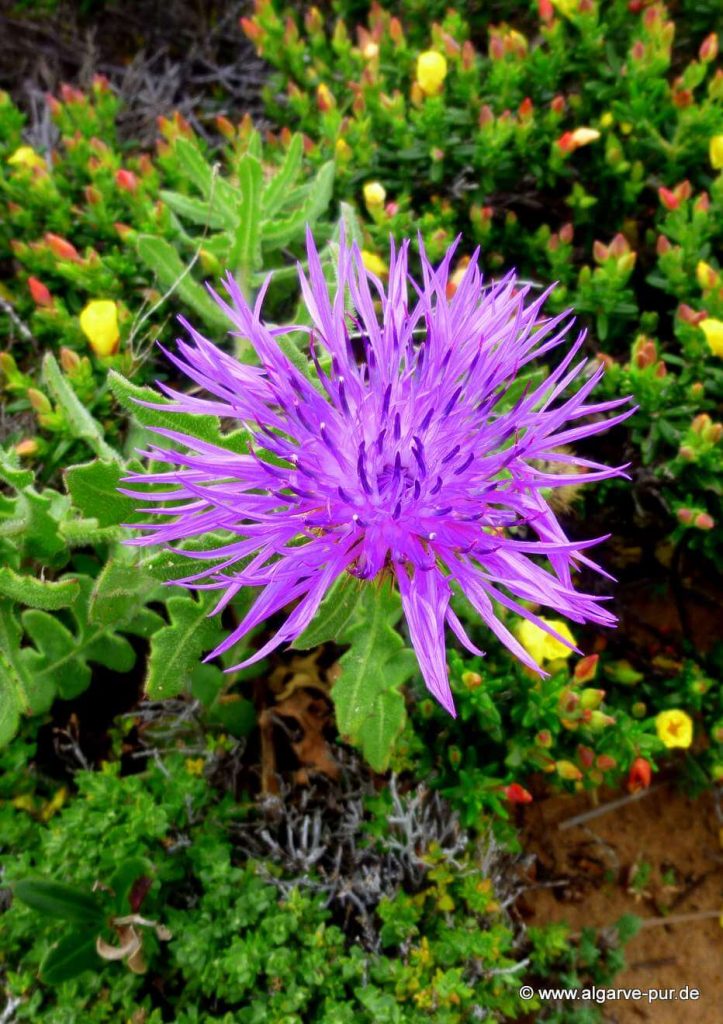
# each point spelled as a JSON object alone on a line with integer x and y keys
{"x": 659, "y": 856}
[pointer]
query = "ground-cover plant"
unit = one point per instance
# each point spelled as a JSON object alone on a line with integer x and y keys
{"x": 106, "y": 242}
{"x": 229, "y": 938}
{"x": 579, "y": 142}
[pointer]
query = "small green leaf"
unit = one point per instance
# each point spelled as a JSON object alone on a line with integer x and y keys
{"x": 93, "y": 486}
{"x": 56, "y": 899}
{"x": 369, "y": 709}
{"x": 174, "y": 278}
{"x": 220, "y": 193}
{"x": 207, "y": 428}
{"x": 276, "y": 192}
{"x": 118, "y": 591}
{"x": 280, "y": 232}
{"x": 195, "y": 210}
{"x": 11, "y": 472}
{"x": 177, "y": 648}
{"x": 83, "y": 426}
{"x": 37, "y": 593}
{"x": 246, "y": 252}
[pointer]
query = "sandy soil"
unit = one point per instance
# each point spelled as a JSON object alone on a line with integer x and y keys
{"x": 657, "y": 857}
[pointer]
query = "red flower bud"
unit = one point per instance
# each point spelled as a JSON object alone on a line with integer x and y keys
{"x": 639, "y": 775}
{"x": 61, "y": 248}
{"x": 126, "y": 180}
{"x": 41, "y": 295}
{"x": 517, "y": 794}
{"x": 703, "y": 521}
{"x": 669, "y": 199}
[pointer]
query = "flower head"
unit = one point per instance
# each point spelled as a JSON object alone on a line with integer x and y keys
{"x": 25, "y": 156}
{"x": 431, "y": 72}
{"x": 713, "y": 331}
{"x": 374, "y": 195}
{"x": 99, "y": 323}
{"x": 406, "y": 456}
{"x": 715, "y": 150}
{"x": 674, "y": 728}
{"x": 543, "y": 645}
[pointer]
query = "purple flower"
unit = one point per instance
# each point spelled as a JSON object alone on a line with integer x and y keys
{"x": 406, "y": 455}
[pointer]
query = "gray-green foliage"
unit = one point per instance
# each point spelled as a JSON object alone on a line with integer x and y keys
{"x": 243, "y": 222}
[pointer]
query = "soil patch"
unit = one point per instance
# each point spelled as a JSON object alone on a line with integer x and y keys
{"x": 657, "y": 857}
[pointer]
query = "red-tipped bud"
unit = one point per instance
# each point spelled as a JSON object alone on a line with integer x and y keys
{"x": 40, "y": 293}
{"x": 703, "y": 521}
{"x": 566, "y": 233}
{"x": 586, "y": 669}
{"x": 517, "y": 794}
{"x": 525, "y": 109}
{"x": 639, "y": 775}
{"x": 250, "y": 29}
{"x": 685, "y": 516}
{"x": 545, "y": 10}
{"x": 669, "y": 199}
{"x": 126, "y": 180}
{"x": 709, "y": 48}
{"x": 605, "y": 762}
{"x": 61, "y": 248}
{"x": 585, "y": 756}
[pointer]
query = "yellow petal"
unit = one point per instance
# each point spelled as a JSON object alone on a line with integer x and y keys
{"x": 716, "y": 152}
{"x": 373, "y": 263}
{"x": 431, "y": 72}
{"x": 713, "y": 331}
{"x": 99, "y": 323}
{"x": 540, "y": 645}
{"x": 674, "y": 728}
{"x": 374, "y": 194}
{"x": 25, "y": 156}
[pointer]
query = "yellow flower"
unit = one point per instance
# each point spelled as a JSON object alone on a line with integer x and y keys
{"x": 583, "y": 136}
{"x": 373, "y": 263}
{"x": 431, "y": 72}
{"x": 25, "y": 156}
{"x": 674, "y": 728}
{"x": 706, "y": 276}
{"x": 713, "y": 331}
{"x": 343, "y": 149}
{"x": 195, "y": 766}
{"x": 99, "y": 323}
{"x": 566, "y": 7}
{"x": 716, "y": 152}
{"x": 540, "y": 645}
{"x": 374, "y": 195}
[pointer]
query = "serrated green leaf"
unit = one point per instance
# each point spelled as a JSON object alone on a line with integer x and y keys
{"x": 82, "y": 425}
{"x": 118, "y": 591}
{"x": 174, "y": 278}
{"x": 207, "y": 428}
{"x": 40, "y": 515}
{"x": 370, "y": 711}
{"x": 195, "y": 210}
{"x": 11, "y": 471}
{"x": 246, "y": 251}
{"x": 223, "y": 197}
{"x": 93, "y": 486}
{"x": 276, "y": 192}
{"x": 20, "y": 692}
{"x": 35, "y": 593}
{"x": 282, "y": 231}
{"x": 177, "y": 648}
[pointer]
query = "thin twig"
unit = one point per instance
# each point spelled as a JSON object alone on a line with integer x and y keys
{"x": 612, "y": 805}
